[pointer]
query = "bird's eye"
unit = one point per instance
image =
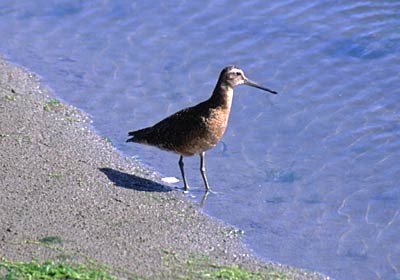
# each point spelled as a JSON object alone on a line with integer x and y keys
{"x": 237, "y": 73}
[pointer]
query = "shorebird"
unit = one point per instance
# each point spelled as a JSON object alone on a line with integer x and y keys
{"x": 196, "y": 129}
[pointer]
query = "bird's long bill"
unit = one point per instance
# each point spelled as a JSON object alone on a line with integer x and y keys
{"x": 254, "y": 84}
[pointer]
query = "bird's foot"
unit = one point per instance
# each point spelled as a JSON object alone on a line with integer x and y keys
{"x": 186, "y": 189}
{"x": 209, "y": 190}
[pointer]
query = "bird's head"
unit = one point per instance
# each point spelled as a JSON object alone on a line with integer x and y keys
{"x": 232, "y": 76}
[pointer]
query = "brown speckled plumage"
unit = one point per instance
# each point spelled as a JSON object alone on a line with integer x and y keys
{"x": 196, "y": 129}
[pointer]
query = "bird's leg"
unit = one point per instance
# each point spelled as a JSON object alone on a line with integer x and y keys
{"x": 185, "y": 185}
{"x": 203, "y": 171}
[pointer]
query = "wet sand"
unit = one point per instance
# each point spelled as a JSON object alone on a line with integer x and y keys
{"x": 59, "y": 179}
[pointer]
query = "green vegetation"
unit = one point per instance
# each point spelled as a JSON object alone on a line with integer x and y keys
{"x": 10, "y": 270}
{"x": 50, "y": 239}
{"x": 235, "y": 272}
{"x": 71, "y": 119}
{"x": 198, "y": 269}
{"x": 106, "y": 139}
{"x": 66, "y": 265}
{"x": 24, "y": 139}
{"x": 51, "y": 105}
{"x": 73, "y": 265}
{"x": 55, "y": 175}
{"x": 199, "y": 266}
{"x": 9, "y": 98}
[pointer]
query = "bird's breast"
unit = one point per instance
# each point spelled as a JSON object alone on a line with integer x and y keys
{"x": 217, "y": 122}
{"x": 213, "y": 128}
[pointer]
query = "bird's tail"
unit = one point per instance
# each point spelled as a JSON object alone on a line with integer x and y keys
{"x": 138, "y": 136}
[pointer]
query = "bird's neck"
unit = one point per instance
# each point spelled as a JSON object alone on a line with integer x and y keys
{"x": 222, "y": 96}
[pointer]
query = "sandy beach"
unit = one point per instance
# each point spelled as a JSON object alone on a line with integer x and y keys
{"x": 59, "y": 179}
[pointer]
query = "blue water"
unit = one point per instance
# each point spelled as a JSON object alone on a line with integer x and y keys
{"x": 311, "y": 175}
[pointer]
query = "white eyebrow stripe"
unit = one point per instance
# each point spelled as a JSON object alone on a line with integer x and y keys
{"x": 233, "y": 70}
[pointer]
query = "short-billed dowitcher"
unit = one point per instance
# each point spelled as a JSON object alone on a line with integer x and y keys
{"x": 196, "y": 129}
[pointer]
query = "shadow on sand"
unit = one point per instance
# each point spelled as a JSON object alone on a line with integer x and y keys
{"x": 129, "y": 181}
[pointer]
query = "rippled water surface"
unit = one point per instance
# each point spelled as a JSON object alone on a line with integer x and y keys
{"x": 311, "y": 175}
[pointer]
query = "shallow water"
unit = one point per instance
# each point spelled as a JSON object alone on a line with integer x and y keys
{"x": 311, "y": 175}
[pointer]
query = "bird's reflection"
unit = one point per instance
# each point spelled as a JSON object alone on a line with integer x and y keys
{"x": 204, "y": 199}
